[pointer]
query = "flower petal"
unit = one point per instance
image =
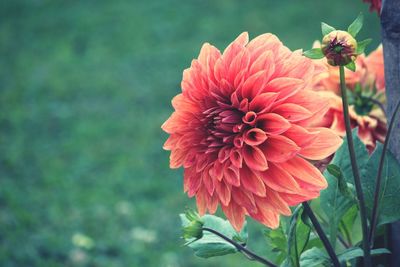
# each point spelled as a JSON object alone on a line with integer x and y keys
{"x": 273, "y": 124}
{"x": 301, "y": 169}
{"x": 254, "y": 158}
{"x": 278, "y": 148}
{"x": 325, "y": 144}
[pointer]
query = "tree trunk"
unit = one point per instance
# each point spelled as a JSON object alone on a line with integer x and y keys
{"x": 390, "y": 23}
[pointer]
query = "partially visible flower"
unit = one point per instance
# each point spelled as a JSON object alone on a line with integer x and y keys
{"x": 371, "y": 127}
{"x": 364, "y": 114}
{"x": 242, "y": 130}
{"x": 375, "y": 5}
{"x": 375, "y": 68}
{"x": 369, "y": 73}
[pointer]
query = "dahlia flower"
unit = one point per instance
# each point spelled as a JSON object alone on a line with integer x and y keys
{"x": 369, "y": 74}
{"x": 242, "y": 130}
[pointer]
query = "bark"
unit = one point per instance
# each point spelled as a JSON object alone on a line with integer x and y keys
{"x": 390, "y": 23}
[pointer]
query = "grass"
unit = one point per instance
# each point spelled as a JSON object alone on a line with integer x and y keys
{"x": 84, "y": 88}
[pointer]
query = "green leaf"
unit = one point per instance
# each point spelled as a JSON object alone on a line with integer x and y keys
{"x": 342, "y": 158}
{"x": 314, "y": 257}
{"x": 211, "y": 245}
{"x": 335, "y": 205}
{"x": 356, "y": 25}
{"x": 389, "y": 201}
{"x": 351, "y": 66}
{"x": 326, "y": 29}
{"x": 277, "y": 242}
{"x": 362, "y": 45}
{"x": 342, "y": 184}
{"x": 336, "y": 200}
{"x": 315, "y": 53}
{"x": 298, "y": 236}
{"x": 350, "y": 226}
{"x": 356, "y": 252}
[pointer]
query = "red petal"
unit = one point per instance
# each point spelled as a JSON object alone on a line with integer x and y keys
{"x": 252, "y": 182}
{"x": 278, "y": 148}
{"x": 273, "y": 123}
{"x": 292, "y": 112}
{"x": 280, "y": 180}
{"x": 263, "y": 102}
{"x": 254, "y": 158}
{"x": 286, "y": 87}
{"x": 300, "y": 136}
{"x": 244, "y": 199}
{"x": 301, "y": 169}
{"x": 254, "y": 137}
{"x": 235, "y": 215}
{"x": 231, "y": 175}
{"x": 325, "y": 144}
{"x": 224, "y": 192}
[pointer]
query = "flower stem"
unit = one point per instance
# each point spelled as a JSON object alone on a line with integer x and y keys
{"x": 379, "y": 177}
{"x": 356, "y": 174}
{"x": 321, "y": 234}
{"x": 248, "y": 253}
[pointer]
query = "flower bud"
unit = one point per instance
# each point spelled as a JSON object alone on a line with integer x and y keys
{"x": 193, "y": 230}
{"x": 339, "y": 48}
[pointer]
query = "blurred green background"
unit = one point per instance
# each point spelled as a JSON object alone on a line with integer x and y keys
{"x": 84, "y": 88}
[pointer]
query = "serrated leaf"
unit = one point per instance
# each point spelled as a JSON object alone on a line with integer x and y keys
{"x": 362, "y": 45}
{"x": 315, "y": 53}
{"x": 314, "y": 257}
{"x": 326, "y": 29}
{"x": 351, "y": 66}
{"x": 211, "y": 245}
{"x": 277, "y": 243}
{"x": 356, "y": 25}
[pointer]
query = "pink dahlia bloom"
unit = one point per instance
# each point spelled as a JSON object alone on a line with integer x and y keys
{"x": 242, "y": 130}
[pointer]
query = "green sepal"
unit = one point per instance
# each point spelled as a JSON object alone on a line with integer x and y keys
{"x": 356, "y": 25}
{"x": 326, "y": 29}
{"x": 362, "y": 45}
{"x": 351, "y": 66}
{"x": 315, "y": 53}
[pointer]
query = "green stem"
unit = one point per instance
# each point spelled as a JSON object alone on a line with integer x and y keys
{"x": 356, "y": 174}
{"x": 379, "y": 177}
{"x": 248, "y": 253}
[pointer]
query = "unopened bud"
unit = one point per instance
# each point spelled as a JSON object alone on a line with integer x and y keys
{"x": 193, "y": 230}
{"x": 339, "y": 48}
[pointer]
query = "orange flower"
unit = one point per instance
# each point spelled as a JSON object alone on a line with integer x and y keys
{"x": 369, "y": 73}
{"x": 241, "y": 130}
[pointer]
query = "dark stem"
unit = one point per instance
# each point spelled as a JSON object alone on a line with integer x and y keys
{"x": 356, "y": 174}
{"x": 241, "y": 248}
{"x": 379, "y": 177}
{"x": 321, "y": 234}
